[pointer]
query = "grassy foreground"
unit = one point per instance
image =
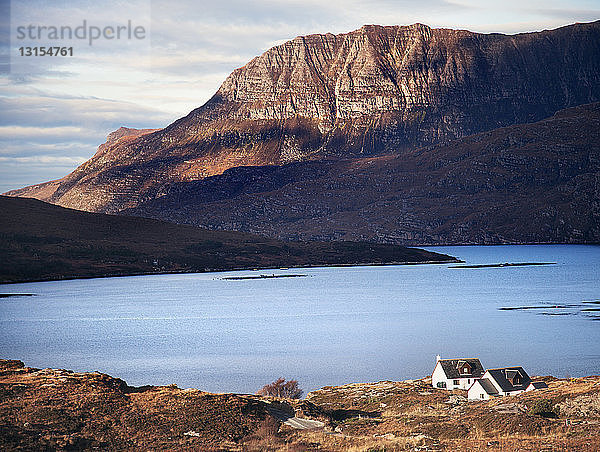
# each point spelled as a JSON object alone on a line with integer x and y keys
{"x": 62, "y": 410}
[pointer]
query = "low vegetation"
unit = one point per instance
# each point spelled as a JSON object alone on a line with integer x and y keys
{"x": 282, "y": 389}
{"x": 40, "y": 241}
{"x": 63, "y": 410}
{"x": 545, "y": 408}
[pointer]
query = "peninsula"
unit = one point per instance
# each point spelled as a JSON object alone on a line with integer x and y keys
{"x": 40, "y": 241}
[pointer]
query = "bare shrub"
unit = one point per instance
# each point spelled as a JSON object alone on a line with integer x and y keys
{"x": 265, "y": 437}
{"x": 282, "y": 389}
{"x": 268, "y": 428}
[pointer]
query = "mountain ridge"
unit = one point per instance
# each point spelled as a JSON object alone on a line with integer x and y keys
{"x": 40, "y": 241}
{"x": 527, "y": 183}
{"x": 371, "y": 91}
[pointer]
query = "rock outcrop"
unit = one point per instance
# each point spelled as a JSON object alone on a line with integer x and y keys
{"x": 377, "y": 90}
{"x": 528, "y": 183}
{"x": 587, "y": 405}
{"x": 62, "y": 410}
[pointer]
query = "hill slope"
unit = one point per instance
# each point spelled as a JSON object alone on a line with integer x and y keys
{"x": 53, "y": 409}
{"x": 529, "y": 183}
{"x": 376, "y": 90}
{"x": 42, "y": 241}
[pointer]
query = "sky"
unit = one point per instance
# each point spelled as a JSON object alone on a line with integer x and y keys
{"x": 56, "y": 110}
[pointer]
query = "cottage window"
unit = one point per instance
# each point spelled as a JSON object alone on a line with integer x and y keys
{"x": 456, "y": 382}
{"x": 516, "y": 380}
{"x": 481, "y": 396}
{"x": 464, "y": 368}
{"x": 441, "y": 384}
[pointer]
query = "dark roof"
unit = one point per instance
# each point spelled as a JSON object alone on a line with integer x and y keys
{"x": 501, "y": 377}
{"x": 450, "y": 367}
{"x": 539, "y": 384}
{"x": 487, "y": 386}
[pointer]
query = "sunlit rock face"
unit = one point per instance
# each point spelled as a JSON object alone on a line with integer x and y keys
{"x": 374, "y": 91}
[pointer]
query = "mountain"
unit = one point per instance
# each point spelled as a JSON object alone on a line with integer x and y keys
{"x": 371, "y": 92}
{"x": 40, "y": 241}
{"x": 527, "y": 183}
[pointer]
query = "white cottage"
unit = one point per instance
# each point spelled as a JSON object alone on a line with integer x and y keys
{"x": 500, "y": 382}
{"x": 456, "y": 373}
{"x": 536, "y": 385}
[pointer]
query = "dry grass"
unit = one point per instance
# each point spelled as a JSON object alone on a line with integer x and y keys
{"x": 60, "y": 410}
{"x": 334, "y": 442}
{"x": 417, "y": 416}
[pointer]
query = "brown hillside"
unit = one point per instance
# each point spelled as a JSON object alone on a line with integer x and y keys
{"x": 376, "y": 90}
{"x": 40, "y": 241}
{"x": 63, "y": 410}
{"x": 528, "y": 183}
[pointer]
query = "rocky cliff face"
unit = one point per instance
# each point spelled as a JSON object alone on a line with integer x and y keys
{"x": 377, "y": 90}
{"x": 392, "y": 81}
{"x": 528, "y": 183}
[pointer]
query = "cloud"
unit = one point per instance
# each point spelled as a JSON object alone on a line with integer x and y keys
{"x": 15, "y": 175}
{"x": 55, "y": 111}
{"x": 29, "y": 105}
{"x": 33, "y": 133}
{"x": 45, "y": 160}
{"x": 575, "y": 15}
{"x": 47, "y": 132}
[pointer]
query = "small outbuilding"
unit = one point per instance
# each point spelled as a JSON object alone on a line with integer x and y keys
{"x": 482, "y": 389}
{"x": 536, "y": 385}
{"x": 500, "y": 382}
{"x": 458, "y": 373}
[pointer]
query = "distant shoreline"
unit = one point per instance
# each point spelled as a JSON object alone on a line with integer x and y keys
{"x": 217, "y": 270}
{"x": 504, "y": 264}
{"x": 44, "y": 242}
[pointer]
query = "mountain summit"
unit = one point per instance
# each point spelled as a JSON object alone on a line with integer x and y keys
{"x": 379, "y": 90}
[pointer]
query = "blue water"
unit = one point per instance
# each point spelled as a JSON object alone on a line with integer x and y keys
{"x": 335, "y": 326}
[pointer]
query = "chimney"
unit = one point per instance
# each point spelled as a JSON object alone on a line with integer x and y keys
{"x": 437, "y": 358}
